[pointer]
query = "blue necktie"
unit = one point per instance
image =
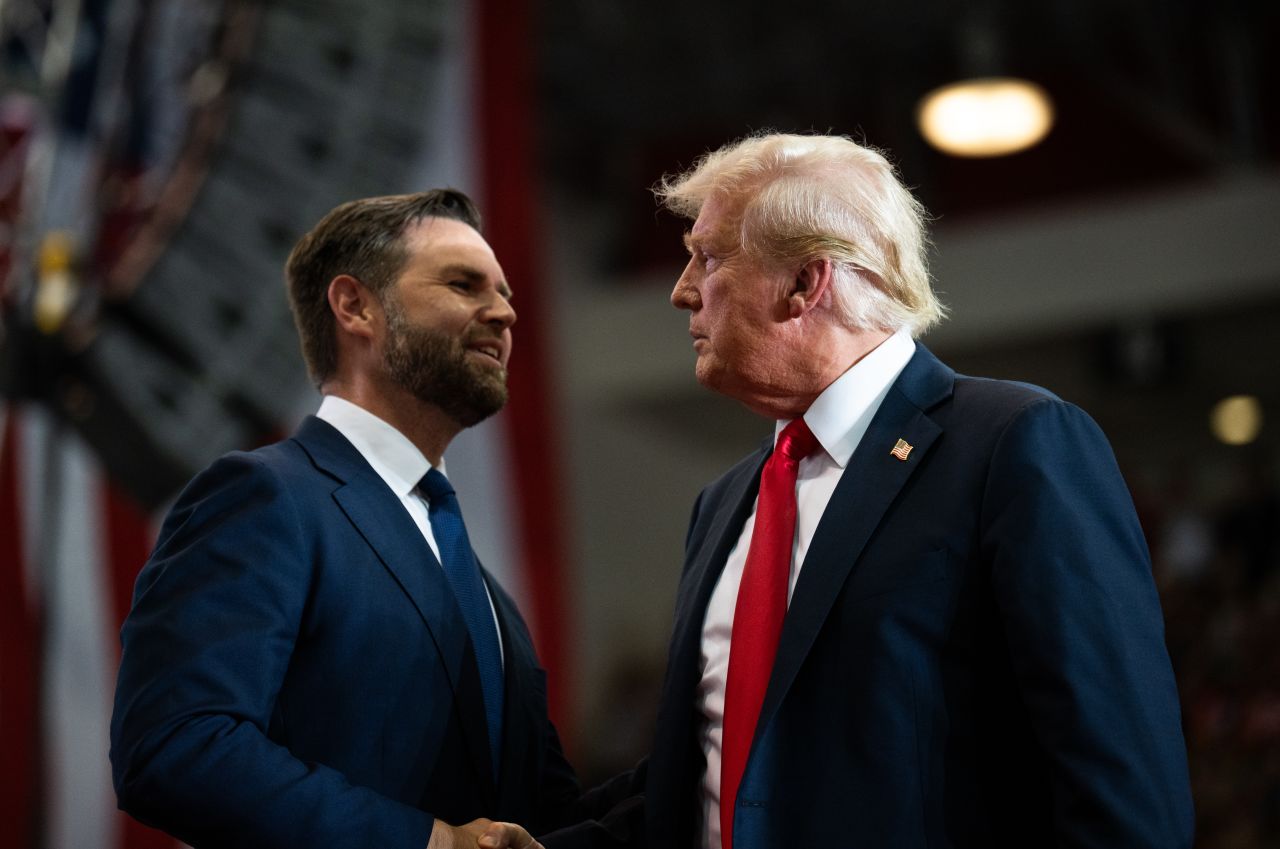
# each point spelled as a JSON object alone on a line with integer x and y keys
{"x": 463, "y": 573}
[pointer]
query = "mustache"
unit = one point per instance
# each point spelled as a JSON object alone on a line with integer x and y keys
{"x": 482, "y": 335}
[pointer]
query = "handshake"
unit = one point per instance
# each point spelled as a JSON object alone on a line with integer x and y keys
{"x": 482, "y": 833}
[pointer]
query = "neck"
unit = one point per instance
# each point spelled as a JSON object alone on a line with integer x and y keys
{"x": 798, "y": 381}
{"x": 423, "y": 424}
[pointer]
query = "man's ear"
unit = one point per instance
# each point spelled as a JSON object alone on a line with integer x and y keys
{"x": 809, "y": 286}
{"x": 353, "y": 306}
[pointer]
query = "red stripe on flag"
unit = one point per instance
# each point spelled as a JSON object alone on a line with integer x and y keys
{"x": 19, "y": 648}
{"x": 129, "y": 542}
{"x": 504, "y": 75}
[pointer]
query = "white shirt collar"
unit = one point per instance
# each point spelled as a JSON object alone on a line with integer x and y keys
{"x": 396, "y": 460}
{"x": 842, "y": 413}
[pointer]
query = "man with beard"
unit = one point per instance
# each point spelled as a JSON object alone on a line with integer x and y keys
{"x": 314, "y": 656}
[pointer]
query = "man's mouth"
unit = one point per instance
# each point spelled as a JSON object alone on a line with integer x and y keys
{"x": 488, "y": 348}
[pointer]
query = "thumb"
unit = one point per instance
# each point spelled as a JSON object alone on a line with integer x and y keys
{"x": 496, "y": 836}
{"x": 506, "y": 835}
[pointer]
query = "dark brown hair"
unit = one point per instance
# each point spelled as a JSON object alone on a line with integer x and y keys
{"x": 365, "y": 239}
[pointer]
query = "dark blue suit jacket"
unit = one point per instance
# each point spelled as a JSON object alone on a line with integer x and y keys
{"x": 973, "y": 655}
{"x": 296, "y": 672}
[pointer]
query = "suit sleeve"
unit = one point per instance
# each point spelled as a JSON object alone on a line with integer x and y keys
{"x": 206, "y": 647}
{"x": 610, "y": 816}
{"x": 1072, "y": 580}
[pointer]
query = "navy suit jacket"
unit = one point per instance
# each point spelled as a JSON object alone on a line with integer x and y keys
{"x": 296, "y": 672}
{"x": 973, "y": 655}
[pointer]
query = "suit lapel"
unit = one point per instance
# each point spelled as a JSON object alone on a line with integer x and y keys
{"x": 516, "y": 732}
{"x": 676, "y": 754}
{"x": 708, "y": 562}
{"x": 868, "y": 487}
{"x": 523, "y": 696}
{"x": 379, "y": 517}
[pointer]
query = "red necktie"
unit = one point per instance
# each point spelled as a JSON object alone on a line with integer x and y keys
{"x": 761, "y": 606}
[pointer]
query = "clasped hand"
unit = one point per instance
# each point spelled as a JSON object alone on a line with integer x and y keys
{"x": 481, "y": 833}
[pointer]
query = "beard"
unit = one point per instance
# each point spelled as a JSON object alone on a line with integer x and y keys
{"x": 435, "y": 368}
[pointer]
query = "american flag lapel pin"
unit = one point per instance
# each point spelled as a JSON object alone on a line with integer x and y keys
{"x": 901, "y": 450}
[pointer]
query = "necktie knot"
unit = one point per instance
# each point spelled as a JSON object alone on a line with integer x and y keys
{"x": 796, "y": 441}
{"x": 435, "y": 485}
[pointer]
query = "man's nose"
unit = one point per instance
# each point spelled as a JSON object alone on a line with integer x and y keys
{"x": 500, "y": 313}
{"x": 685, "y": 295}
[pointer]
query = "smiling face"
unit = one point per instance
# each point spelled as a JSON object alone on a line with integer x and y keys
{"x": 737, "y": 307}
{"x": 448, "y": 322}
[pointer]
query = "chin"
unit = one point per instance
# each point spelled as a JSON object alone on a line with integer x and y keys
{"x": 712, "y": 378}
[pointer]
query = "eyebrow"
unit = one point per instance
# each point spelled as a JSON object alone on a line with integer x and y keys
{"x": 475, "y": 275}
{"x": 690, "y": 241}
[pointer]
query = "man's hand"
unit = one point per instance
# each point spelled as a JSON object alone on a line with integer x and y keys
{"x": 507, "y": 835}
{"x": 445, "y": 836}
{"x": 483, "y": 833}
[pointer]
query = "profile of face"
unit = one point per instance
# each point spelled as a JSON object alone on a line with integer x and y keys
{"x": 737, "y": 306}
{"x": 448, "y": 322}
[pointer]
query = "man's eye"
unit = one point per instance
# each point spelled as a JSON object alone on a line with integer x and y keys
{"x": 462, "y": 285}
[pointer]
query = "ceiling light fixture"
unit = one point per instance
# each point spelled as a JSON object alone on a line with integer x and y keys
{"x": 990, "y": 116}
{"x": 1236, "y": 420}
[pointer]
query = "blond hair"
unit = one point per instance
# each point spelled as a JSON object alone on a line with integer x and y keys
{"x": 814, "y": 197}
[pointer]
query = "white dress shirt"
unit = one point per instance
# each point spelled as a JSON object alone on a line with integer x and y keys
{"x": 397, "y": 461}
{"x": 838, "y": 418}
